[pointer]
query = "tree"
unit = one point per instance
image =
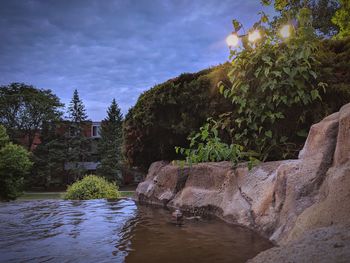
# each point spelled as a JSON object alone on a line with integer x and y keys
{"x": 109, "y": 146}
{"x": 342, "y": 19}
{"x": 322, "y": 12}
{"x": 14, "y": 165}
{"x": 24, "y": 109}
{"x": 4, "y": 138}
{"x": 76, "y": 109}
{"x": 49, "y": 156}
{"x": 77, "y": 143}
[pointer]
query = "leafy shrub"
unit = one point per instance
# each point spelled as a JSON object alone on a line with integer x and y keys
{"x": 206, "y": 146}
{"x": 92, "y": 187}
{"x": 164, "y": 115}
{"x": 279, "y": 89}
{"x": 274, "y": 81}
{"x": 342, "y": 18}
{"x": 14, "y": 165}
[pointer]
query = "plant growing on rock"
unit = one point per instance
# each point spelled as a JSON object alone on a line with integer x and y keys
{"x": 206, "y": 146}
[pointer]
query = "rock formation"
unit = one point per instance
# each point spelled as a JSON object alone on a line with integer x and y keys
{"x": 287, "y": 201}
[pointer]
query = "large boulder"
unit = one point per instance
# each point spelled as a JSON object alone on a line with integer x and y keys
{"x": 281, "y": 200}
{"x": 324, "y": 245}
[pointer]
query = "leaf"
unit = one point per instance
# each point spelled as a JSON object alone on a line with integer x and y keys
{"x": 302, "y": 133}
{"x": 236, "y": 25}
{"x": 257, "y": 72}
{"x": 277, "y": 73}
{"x": 268, "y": 134}
{"x": 313, "y": 73}
{"x": 287, "y": 71}
{"x": 315, "y": 94}
{"x": 266, "y": 72}
{"x": 221, "y": 89}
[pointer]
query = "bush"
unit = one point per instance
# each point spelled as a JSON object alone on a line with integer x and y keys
{"x": 164, "y": 115}
{"x": 92, "y": 187}
{"x": 279, "y": 89}
{"x": 14, "y": 165}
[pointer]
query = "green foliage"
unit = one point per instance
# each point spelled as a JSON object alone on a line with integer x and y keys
{"x": 77, "y": 142}
{"x": 4, "y": 138}
{"x": 109, "y": 145}
{"x": 279, "y": 89}
{"x": 92, "y": 187}
{"x": 322, "y": 12}
{"x": 24, "y": 109}
{"x": 164, "y": 116}
{"x": 49, "y": 157}
{"x": 14, "y": 165}
{"x": 273, "y": 81}
{"x": 342, "y": 19}
{"x": 206, "y": 146}
{"x": 76, "y": 109}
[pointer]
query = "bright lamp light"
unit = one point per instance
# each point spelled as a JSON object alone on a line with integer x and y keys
{"x": 232, "y": 40}
{"x": 254, "y": 36}
{"x": 285, "y": 31}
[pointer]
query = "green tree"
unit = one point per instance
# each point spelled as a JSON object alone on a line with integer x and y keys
{"x": 342, "y": 19}
{"x": 14, "y": 165}
{"x": 24, "y": 109}
{"x": 4, "y": 138}
{"x": 49, "y": 157}
{"x": 78, "y": 145}
{"x": 109, "y": 146}
{"x": 322, "y": 12}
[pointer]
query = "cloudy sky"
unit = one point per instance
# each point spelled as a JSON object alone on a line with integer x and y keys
{"x": 113, "y": 48}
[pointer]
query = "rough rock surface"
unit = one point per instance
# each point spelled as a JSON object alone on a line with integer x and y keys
{"x": 285, "y": 201}
{"x": 324, "y": 245}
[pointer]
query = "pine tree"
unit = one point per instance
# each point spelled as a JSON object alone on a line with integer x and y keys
{"x": 77, "y": 143}
{"x": 49, "y": 157}
{"x": 76, "y": 109}
{"x": 109, "y": 146}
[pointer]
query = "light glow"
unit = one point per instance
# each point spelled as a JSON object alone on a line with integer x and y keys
{"x": 254, "y": 36}
{"x": 232, "y": 40}
{"x": 285, "y": 31}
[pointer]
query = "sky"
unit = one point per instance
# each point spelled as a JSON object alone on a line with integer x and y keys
{"x": 113, "y": 48}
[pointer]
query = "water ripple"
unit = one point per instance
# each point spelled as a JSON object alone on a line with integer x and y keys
{"x": 115, "y": 231}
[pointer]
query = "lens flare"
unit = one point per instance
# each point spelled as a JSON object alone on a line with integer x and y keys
{"x": 285, "y": 31}
{"x": 254, "y": 36}
{"x": 232, "y": 40}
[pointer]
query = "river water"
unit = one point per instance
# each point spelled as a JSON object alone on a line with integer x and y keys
{"x": 116, "y": 231}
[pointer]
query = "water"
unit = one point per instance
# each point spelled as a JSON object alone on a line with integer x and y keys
{"x": 116, "y": 231}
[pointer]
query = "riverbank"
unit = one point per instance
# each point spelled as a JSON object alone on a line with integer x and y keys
{"x": 59, "y": 195}
{"x": 292, "y": 202}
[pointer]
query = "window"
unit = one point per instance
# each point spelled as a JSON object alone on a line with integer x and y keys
{"x": 96, "y": 130}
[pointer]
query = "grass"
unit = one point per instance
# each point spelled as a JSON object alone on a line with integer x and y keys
{"x": 41, "y": 195}
{"x": 127, "y": 193}
{"x": 58, "y": 195}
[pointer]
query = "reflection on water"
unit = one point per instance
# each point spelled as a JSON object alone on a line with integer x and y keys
{"x": 115, "y": 231}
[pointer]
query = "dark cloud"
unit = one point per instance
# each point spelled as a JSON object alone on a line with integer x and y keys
{"x": 109, "y": 49}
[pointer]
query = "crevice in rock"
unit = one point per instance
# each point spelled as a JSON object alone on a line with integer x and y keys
{"x": 249, "y": 201}
{"x": 182, "y": 175}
